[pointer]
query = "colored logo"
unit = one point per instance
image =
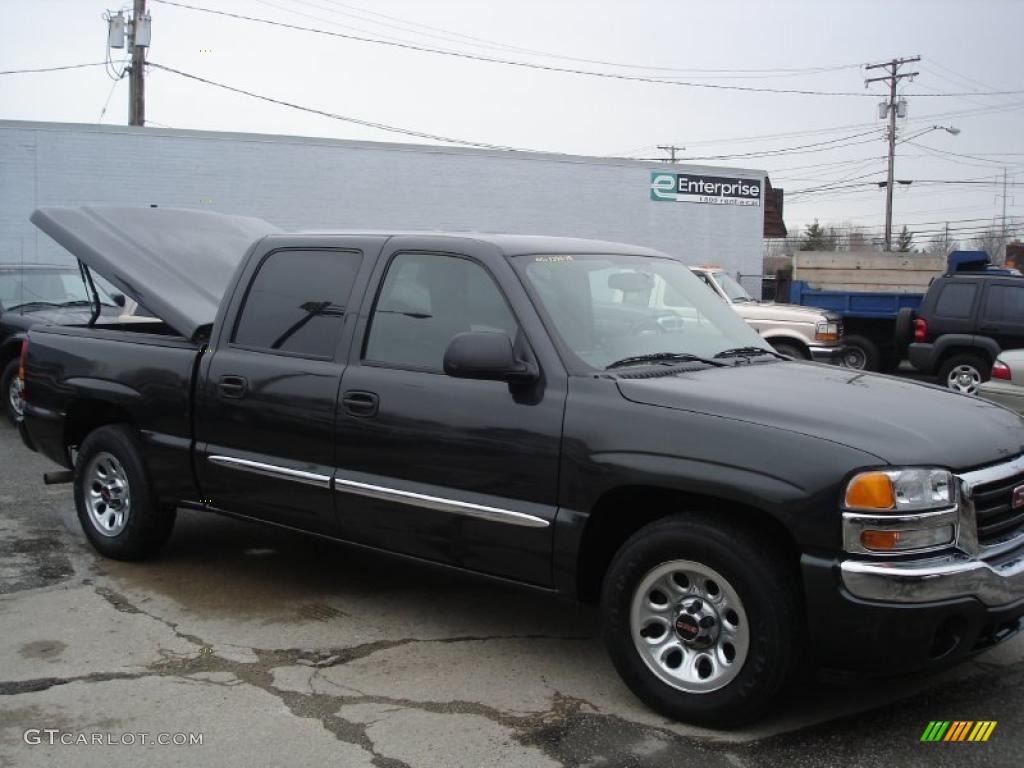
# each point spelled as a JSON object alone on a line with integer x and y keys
{"x": 1018, "y": 497}
{"x": 958, "y": 730}
{"x": 687, "y": 627}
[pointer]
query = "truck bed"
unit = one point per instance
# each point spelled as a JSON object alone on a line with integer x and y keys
{"x": 143, "y": 372}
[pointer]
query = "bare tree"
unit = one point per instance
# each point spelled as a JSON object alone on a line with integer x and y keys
{"x": 989, "y": 240}
{"x": 943, "y": 243}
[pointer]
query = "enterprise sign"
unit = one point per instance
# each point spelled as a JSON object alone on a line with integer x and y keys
{"x": 695, "y": 188}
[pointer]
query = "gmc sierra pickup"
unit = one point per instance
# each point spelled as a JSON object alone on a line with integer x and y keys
{"x": 582, "y": 417}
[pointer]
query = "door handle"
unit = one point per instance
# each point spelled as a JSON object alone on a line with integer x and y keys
{"x": 232, "y": 386}
{"x": 360, "y": 403}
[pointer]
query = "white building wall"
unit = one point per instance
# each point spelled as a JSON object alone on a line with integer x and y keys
{"x": 302, "y": 183}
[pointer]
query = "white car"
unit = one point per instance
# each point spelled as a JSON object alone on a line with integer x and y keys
{"x": 1006, "y": 386}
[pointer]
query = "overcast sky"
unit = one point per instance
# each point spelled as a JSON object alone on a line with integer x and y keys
{"x": 967, "y": 46}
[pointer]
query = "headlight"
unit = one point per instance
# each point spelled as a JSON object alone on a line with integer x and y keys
{"x": 897, "y": 511}
{"x": 827, "y": 331}
{"x": 900, "y": 491}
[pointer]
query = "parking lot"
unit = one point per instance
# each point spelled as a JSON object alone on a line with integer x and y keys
{"x": 283, "y": 650}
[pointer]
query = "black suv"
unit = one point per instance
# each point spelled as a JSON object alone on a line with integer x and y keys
{"x": 964, "y": 321}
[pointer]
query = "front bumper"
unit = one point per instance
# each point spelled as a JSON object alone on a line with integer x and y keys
{"x": 827, "y": 354}
{"x": 994, "y": 584}
{"x": 892, "y": 614}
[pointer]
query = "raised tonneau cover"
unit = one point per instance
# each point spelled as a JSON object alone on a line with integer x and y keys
{"x": 175, "y": 262}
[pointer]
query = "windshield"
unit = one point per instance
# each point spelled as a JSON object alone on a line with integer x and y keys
{"x": 732, "y": 289}
{"x": 609, "y": 308}
{"x": 45, "y": 286}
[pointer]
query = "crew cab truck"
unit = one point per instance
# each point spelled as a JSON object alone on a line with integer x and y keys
{"x": 519, "y": 407}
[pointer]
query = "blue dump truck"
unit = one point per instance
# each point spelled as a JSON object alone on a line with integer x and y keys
{"x": 871, "y": 292}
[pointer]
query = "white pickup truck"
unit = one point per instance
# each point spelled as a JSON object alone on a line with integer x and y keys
{"x": 800, "y": 332}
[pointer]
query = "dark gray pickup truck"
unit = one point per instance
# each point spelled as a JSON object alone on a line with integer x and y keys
{"x": 581, "y": 417}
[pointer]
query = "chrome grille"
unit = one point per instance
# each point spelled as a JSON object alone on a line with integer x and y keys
{"x": 994, "y": 512}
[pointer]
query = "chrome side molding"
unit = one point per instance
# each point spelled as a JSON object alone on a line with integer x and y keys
{"x": 465, "y": 508}
{"x": 494, "y": 514}
{"x": 272, "y": 470}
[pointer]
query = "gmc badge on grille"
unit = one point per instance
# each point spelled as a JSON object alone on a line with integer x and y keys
{"x": 1018, "y": 497}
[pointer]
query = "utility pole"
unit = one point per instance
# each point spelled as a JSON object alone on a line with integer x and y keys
{"x": 1003, "y": 238}
{"x": 892, "y": 78}
{"x": 138, "y": 31}
{"x": 137, "y": 75}
{"x": 671, "y": 149}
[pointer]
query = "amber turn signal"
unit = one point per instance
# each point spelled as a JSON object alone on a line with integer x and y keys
{"x": 880, "y": 540}
{"x": 870, "y": 490}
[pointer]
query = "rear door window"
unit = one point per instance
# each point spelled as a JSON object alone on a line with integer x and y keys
{"x": 1005, "y": 303}
{"x": 956, "y": 300}
{"x": 297, "y": 302}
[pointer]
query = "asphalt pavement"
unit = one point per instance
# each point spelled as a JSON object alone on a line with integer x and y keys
{"x": 273, "y": 649}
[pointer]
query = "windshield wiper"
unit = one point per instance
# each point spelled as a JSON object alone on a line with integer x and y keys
{"x": 34, "y": 304}
{"x": 82, "y": 303}
{"x": 662, "y": 357}
{"x": 749, "y": 352}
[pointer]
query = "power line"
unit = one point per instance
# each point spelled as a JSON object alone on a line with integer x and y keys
{"x": 334, "y": 116}
{"x": 51, "y": 69}
{"x": 452, "y": 36}
{"x": 516, "y": 63}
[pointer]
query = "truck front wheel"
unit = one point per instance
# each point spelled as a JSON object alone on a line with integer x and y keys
{"x": 791, "y": 349}
{"x": 117, "y": 508}
{"x": 702, "y": 620}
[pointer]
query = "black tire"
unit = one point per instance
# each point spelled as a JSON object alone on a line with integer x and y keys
{"x": 903, "y": 331}
{"x": 861, "y": 353}
{"x": 965, "y": 361}
{"x": 147, "y": 525}
{"x": 7, "y": 380}
{"x": 769, "y": 593}
{"x": 790, "y": 349}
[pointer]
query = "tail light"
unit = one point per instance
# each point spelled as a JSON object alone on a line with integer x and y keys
{"x": 920, "y": 329}
{"x": 22, "y": 357}
{"x": 1001, "y": 370}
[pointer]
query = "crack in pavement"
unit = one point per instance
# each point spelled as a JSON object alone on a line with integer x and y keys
{"x": 571, "y": 731}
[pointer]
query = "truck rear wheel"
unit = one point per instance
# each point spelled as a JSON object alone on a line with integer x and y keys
{"x": 861, "y": 353}
{"x": 117, "y": 508}
{"x": 702, "y": 620}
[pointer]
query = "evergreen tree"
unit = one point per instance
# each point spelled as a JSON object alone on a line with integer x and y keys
{"x": 817, "y": 238}
{"x": 905, "y": 240}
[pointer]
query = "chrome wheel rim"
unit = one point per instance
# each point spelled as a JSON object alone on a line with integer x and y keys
{"x": 107, "y": 496}
{"x": 964, "y": 379}
{"x": 854, "y": 358}
{"x": 689, "y": 626}
{"x": 14, "y": 396}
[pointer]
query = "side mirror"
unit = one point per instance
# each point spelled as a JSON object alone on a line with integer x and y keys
{"x": 118, "y": 298}
{"x": 486, "y": 356}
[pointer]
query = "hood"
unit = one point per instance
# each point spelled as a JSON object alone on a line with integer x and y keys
{"x": 901, "y": 422}
{"x": 177, "y": 263}
{"x": 793, "y": 313}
